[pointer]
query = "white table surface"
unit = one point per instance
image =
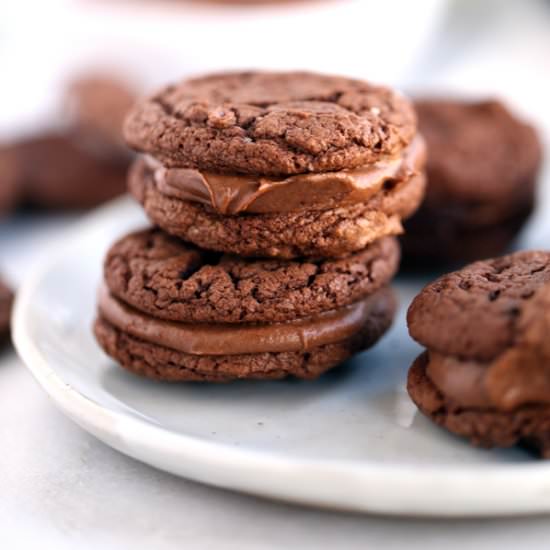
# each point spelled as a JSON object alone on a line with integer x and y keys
{"x": 61, "y": 489}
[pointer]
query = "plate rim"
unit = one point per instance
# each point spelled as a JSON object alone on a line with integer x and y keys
{"x": 361, "y": 486}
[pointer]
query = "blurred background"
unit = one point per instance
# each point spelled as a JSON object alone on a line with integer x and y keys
{"x": 59, "y": 58}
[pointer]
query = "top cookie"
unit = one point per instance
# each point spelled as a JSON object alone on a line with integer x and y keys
{"x": 271, "y": 123}
{"x": 473, "y": 313}
{"x": 478, "y": 151}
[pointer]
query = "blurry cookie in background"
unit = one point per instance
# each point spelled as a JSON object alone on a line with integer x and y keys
{"x": 56, "y": 172}
{"x": 6, "y": 301}
{"x": 9, "y": 185}
{"x": 484, "y": 374}
{"x": 80, "y": 164}
{"x": 482, "y": 168}
{"x": 96, "y": 106}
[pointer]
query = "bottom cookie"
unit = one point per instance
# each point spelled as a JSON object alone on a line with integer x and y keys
{"x": 164, "y": 363}
{"x": 528, "y": 425}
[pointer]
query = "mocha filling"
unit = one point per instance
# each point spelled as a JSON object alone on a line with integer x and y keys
{"x": 234, "y": 339}
{"x": 233, "y": 194}
{"x": 515, "y": 378}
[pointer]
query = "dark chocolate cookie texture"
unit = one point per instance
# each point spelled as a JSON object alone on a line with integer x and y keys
{"x": 478, "y": 305}
{"x": 271, "y": 123}
{"x": 170, "y": 279}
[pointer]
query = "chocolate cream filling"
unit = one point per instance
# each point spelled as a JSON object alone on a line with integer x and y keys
{"x": 515, "y": 378}
{"x": 226, "y": 339}
{"x": 519, "y": 375}
{"x": 234, "y": 194}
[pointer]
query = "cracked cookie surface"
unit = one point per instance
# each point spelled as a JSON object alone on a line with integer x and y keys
{"x": 6, "y": 302}
{"x": 271, "y": 123}
{"x": 172, "y": 280}
{"x": 473, "y": 312}
{"x": 485, "y": 372}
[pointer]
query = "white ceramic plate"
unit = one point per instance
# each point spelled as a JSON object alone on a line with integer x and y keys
{"x": 352, "y": 440}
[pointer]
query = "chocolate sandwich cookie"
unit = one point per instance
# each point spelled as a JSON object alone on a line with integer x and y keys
{"x": 277, "y": 164}
{"x": 171, "y": 311}
{"x": 10, "y": 189}
{"x": 482, "y": 167}
{"x": 485, "y": 374}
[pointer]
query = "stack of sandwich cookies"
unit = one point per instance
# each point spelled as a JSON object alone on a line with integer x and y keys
{"x": 482, "y": 169}
{"x": 9, "y": 188}
{"x": 277, "y": 165}
{"x": 277, "y": 198}
{"x": 485, "y": 374}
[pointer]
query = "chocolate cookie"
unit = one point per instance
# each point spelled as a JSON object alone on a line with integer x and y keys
{"x": 169, "y": 279}
{"x": 55, "y": 172}
{"x": 485, "y": 374}
{"x": 436, "y": 242}
{"x": 331, "y": 232}
{"x": 178, "y": 352}
{"x": 6, "y": 302}
{"x": 482, "y": 168}
{"x": 287, "y": 166}
{"x": 477, "y": 305}
{"x": 10, "y": 190}
{"x": 271, "y": 123}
